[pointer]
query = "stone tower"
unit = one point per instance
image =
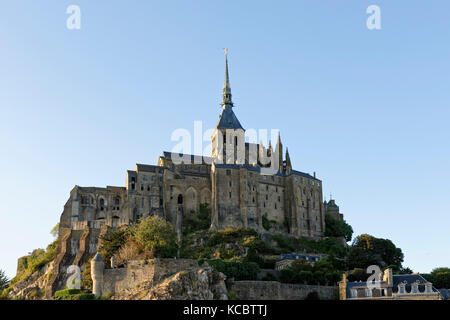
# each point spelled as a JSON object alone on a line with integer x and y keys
{"x": 97, "y": 268}
{"x": 228, "y": 139}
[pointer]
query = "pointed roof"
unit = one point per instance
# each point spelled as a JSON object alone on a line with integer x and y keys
{"x": 227, "y": 119}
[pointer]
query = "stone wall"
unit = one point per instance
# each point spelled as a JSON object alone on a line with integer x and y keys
{"x": 138, "y": 272}
{"x": 273, "y": 290}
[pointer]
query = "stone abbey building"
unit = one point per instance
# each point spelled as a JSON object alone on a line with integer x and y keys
{"x": 245, "y": 184}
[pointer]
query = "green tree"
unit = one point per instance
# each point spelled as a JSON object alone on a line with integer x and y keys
{"x": 112, "y": 241}
{"x": 55, "y": 231}
{"x": 440, "y": 277}
{"x": 367, "y": 250}
{"x": 155, "y": 233}
{"x": 4, "y": 281}
{"x": 337, "y": 228}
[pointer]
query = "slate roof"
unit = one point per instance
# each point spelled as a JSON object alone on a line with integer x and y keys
{"x": 397, "y": 279}
{"x": 194, "y": 159}
{"x": 409, "y": 279}
{"x": 149, "y": 168}
{"x": 445, "y": 294}
{"x": 228, "y": 119}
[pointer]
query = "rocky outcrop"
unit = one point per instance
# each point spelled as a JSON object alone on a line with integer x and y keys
{"x": 32, "y": 288}
{"x": 194, "y": 284}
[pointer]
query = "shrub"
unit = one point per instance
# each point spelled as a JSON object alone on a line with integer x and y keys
{"x": 306, "y": 277}
{"x": 86, "y": 280}
{"x": 269, "y": 277}
{"x": 337, "y": 228}
{"x": 36, "y": 261}
{"x": 73, "y": 294}
{"x": 155, "y": 233}
{"x": 131, "y": 250}
{"x": 236, "y": 270}
{"x": 112, "y": 241}
{"x": 201, "y": 221}
{"x": 4, "y": 281}
{"x": 266, "y": 223}
{"x": 287, "y": 275}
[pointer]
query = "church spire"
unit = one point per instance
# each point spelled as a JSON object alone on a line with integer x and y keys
{"x": 226, "y": 99}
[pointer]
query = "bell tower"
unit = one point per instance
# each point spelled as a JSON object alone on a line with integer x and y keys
{"x": 228, "y": 139}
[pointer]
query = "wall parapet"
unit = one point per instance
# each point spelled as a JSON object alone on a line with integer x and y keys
{"x": 274, "y": 290}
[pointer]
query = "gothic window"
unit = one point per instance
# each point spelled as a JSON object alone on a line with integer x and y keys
{"x": 117, "y": 203}
{"x": 142, "y": 187}
{"x": 279, "y": 198}
{"x": 253, "y": 200}
{"x": 229, "y": 183}
{"x": 102, "y": 204}
{"x": 180, "y": 199}
{"x": 148, "y": 187}
{"x": 235, "y": 141}
{"x": 264, "y": 204}
{"x": 267, "y": 197}
{"x": 229, "y": 195}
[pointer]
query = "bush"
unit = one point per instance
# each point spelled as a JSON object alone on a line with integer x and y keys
{"x": 201, "y": 221}
{"x": 337, "y": 228}
{"x": 112, "y": 241}
{"x": 266, "y": 223}
{"x": 269, "y": 277}
{"x": 236, "y": 270}
{"x": 157, "y": 234}
{"x": 35, "y": 262}
{"x": 86, "y": 279}
{"x": 4, "y": 281}
{"x": 73, "y": 294}
{"x": 287, "y": 275}
{"x": 306, "y": 277}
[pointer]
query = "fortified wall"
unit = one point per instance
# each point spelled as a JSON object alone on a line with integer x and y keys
{"x": 137, "y": 272}
{"x": 274, "y": 290}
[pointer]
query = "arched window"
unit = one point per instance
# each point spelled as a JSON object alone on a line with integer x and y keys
{"x": 180, "y": 199}
{"x": 102, "y": 204}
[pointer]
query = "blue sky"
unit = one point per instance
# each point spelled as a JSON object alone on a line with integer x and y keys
{"x": 367, "y": 110}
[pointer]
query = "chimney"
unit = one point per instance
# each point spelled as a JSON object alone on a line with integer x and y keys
{"x": 387, "y": 277}
{"x": 314, "y": 174}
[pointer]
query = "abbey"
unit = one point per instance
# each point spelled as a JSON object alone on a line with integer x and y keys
{"x": 245, "y": 185}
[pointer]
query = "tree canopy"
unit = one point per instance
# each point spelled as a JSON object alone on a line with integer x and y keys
{"x": 337, "y": 228}
{"x": 367, "y": 250}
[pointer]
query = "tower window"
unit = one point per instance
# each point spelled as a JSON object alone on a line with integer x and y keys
{"x": 230, "y": 183}
{"x": 229, "y": 195}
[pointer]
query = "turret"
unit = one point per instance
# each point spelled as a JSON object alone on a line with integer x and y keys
{"x": 288, "y": 162}
{"x": 97, "y": 268}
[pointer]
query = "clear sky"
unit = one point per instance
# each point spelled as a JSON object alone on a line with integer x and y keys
{"x": 367, "y": 110}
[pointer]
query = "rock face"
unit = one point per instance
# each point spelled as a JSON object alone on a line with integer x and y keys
{"x": 194, "y": 284}
{"x": 32, "y": 288}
